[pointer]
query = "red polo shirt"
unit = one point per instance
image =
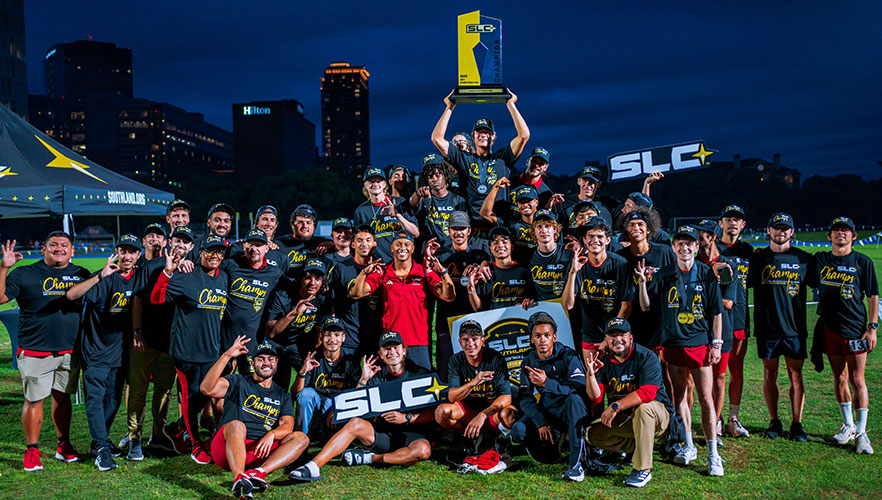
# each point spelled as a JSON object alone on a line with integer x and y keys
{"x": 404, "y": 302}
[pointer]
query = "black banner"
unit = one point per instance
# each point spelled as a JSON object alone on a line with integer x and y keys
{"x": 400, "y": 395}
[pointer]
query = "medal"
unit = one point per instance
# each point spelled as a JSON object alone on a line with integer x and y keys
{"x": 685, "y": 318}
{"x": 482, "y": 189}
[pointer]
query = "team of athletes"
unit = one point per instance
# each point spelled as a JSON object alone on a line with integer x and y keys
{"x": 658, "y": 321}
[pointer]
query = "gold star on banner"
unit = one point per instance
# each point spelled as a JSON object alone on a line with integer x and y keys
{"x": 703, "y": 154}
{"x": 436, "y": 389}
{"x": 46, "y": 198}
{"x": 15, "y": 198}
{"x": 4, "y": 171}
{"x": 61, "y": 161}
{"x": 30, "y": 198}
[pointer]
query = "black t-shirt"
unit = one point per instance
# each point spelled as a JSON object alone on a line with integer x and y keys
{"x": 385, "y": 226}
{"x": 156, "y": 319}
{"x": 107, "y": 320}
{"x": 517, "y": 181}
{"x": 739, "y": 254}
{"x": 549, "y": 272}
{"x": 640, "y": 368}
{"x": 259, "y": 408}
{"x": 461, "y": 372}
{"x": 507, "y": 287}
{"x": 688, "y": 302}
{"x": 294, "y": 253}
{"x": 362, "y": 318}
{"x": 246, "y": 298}
{"x": 200, "y": 300}
{"x": 434, "y": 213}
{"x": 600, "y": 292}
{"x": 455, "y": 262}
{"x": 274, "y": 257}
{"x": 843, "y": 282}
{"x": 778, "y": 282}
{"x": 47, "y": 321}
{"x": 728, "y": 291}
{"x": 303, "y": 328}
{"x": 522, "y": 240}
{"x": 476, "y": 171}
{"x": 645, "y": 324}
{"x": 566, "y": 217}
{"x": 329, "y": 378}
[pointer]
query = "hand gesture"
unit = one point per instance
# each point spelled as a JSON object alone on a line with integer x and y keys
{"x": 272, "y": 245}
{"x": 110, "y": 266}
{"x": 432, "y": 262}
{"x": 309, "y": 364}
{"x": 501, "y": 183}
{"x": 431, "y": 246}
{"x": 556, "y": 199}
{"x": 186, "y": 266}
{"x": 172, "y": 261}
{"x": 369, "y": 368}
{"x": 323, "y": 248}
{"x": 573, "y": 243}
{"x": 424, "y": 192}
{"x": 481, "y": 377}
{"x": 10, "y": 256}
{"x": 537, "y": 376}
{"x": 389, "y": 208}
{"x": 238, "y": 348}
{"x": 304, "y": 305}
{"x": 653, "y": 177}
{"x": 579, "y": 260}
{"x": 374, "y": 266}
{"x": 642, "y": 271}
{"x": 592, "y": 361}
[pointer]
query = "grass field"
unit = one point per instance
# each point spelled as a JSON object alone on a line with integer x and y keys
{"x": 755, "y": 467}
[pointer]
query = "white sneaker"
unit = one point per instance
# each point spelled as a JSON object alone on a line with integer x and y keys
{"x": 686, "y": 455}
{"x": 735, "y": 429}
{"x": 846, "y": 433}
{"x": 719, "y": 427}
{"x": 862, "y": 444}
{"x": 715, "y": 465}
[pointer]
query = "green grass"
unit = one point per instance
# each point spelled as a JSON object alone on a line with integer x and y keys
{"x": 755, "y": 467}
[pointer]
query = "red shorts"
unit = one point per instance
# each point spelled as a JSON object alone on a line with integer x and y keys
{"x": 721, "y": 367}
{"x": 739, "y": 335}
{"x": 686, "y": 357}
{"x": 835, "y": 344}
{"x": 219, "y": 451}
{"x": 490, "y": 424}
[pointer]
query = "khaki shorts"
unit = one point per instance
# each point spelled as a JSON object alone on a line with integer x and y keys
{"x": 42, "y": 375}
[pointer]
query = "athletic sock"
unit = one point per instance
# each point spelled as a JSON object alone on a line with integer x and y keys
{"x": 313, "y": 468}
{"x": 503, "y": 429}
{"x": 711, "y": 446}
{"x": 845, "y": 409}
{"x": 689, "y": 439}
{"x": 368, "y": 458}
{"x": 733, "y": 410}
{"x": 862, "y": 420}
{"x": 260, "y": 469}
{"x": 33, "y": 446}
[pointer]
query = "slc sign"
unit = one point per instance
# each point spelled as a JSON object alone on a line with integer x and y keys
{"x": 664, "y": 159}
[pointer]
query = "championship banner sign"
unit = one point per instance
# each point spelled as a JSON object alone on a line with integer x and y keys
{"x": 505, "y": 331}
{"x": 400, "y": 395}
{"x": 664, "y": 159}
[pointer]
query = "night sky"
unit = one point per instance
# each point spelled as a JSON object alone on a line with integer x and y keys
{"x": 796, "y": 78}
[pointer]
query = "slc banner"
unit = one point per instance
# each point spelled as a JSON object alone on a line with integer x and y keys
{"x": 505, "y": 331}
{"x": 399, "y": 395}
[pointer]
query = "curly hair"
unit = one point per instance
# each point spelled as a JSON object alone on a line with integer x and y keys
{"x": 443, "y": 168}
{"x": 650, "y": 216}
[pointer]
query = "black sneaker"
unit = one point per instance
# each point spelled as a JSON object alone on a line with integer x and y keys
{"x": 243, "y": 489}
{"x": 575, "y": 473}
{"x": 96, "y": 447}
{"x": 105, "y": 461}
{"x": 797, "y": 433}
{"x": 160, "y": 442}
{"x": 775, "y": 429}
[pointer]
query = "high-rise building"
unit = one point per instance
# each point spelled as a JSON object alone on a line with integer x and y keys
{"x": 346, "y": 129}
{"x": 74, "y": 70}
{"x": 13, "y": 70}
{"x": 272, "y": 137}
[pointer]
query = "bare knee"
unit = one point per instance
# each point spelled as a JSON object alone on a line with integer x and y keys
{"x": 443, "y": 413}
{"x": 234, "y": 429}
{"x": 420, "y": 450}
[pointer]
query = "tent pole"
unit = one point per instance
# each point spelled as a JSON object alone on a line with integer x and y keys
{"x": 66, "y": 223}
{"x": 117, "y": 227}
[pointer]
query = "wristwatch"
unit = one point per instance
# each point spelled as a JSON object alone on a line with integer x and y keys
{"x": 874, "y": 325}
{"x": 615, "y": 407}
{"x": 408, "y": 417}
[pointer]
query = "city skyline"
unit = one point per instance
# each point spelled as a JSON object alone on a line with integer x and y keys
{"x": 753, "y": 80}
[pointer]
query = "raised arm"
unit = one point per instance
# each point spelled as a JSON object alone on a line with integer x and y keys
{"x": 441, "y": 127}
{"x": 80, "y": 289}
{"x": 520, "y": 140}
{"x": 10, "y": 257}
{"x": 487, "y": 212}
{"x": 214, "y": 385}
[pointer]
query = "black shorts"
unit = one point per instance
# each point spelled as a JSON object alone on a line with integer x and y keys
{"x": 385, "y": 442}
{"x": 790, "y": 347}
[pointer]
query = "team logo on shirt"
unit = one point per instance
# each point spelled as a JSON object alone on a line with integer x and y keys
{"x": 385, "y": 227}
{"x": 252, "y": 290}
{"x": 265, "y": 408}
{"x": 787, "y": 275}
{"x": 474, "y": 173}
{"x": 58, "y": 286}
{"x": 119, "y": 301}
{"x": 602, "y": 290}
{"x": 213, "y": 299}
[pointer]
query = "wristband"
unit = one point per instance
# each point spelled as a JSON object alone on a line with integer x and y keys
{"x": 717, "y": 342}
{"x": 443, "y": 271}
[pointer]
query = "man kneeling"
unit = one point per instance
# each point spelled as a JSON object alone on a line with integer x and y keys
{"x": 630, "y": 376}
{"x": 255, "y": 436}
{"x": 395, "y": 438}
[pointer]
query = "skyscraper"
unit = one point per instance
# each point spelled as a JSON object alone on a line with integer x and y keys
{"x": 74, "y": 70}
{"x": 272, "y": 137}
{"x": 13, "y": 71}
{"x": 346, "y": 129}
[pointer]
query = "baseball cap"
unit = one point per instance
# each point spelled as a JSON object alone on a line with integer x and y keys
{"x": 390, "y": 338}
{"x": 781, "y": 219}
{"x": 484, "y": 123}
{"x": 499, "y": 231}
{"x": 398, "y": 168}
{"x": 373, "y": 172}
{"x": 343, "y": 222}
{"x": 403, "y": 235}
{"x": 432, "y": 159}
{"x": 733, "y": 211}
{"x": 130, "y": 240}
{"x": 635, "y": 215}
{"x": 540, "y": 152}
{"x": 584, "y": 205}
{"x": 212, "y": 241}
{"x": 177, "y": 205}
{"x": 543, "y": 215}
{"x": 265, "y": 348}
{"x": 304, "y": 210}
{"x": 184, "y": 231}
{"x": 267, "y": 209}
{"x": 686, "y": 232}
{"x": 315, "y": 265}
{"x": 842, "y": 221}
{"x": 640, "y": 199}
{"x": 526, "y": 192}
{"x": 332, "y": 323}
{"x": 221, "y": 207}
{"x": 256, "y": 235}
{"x": 459, "y": 219}
{"x": 155, "y": 228}
{"x": 616, "y": 325}
{"x": 466, "y": 326}
{"x": 707, "y": 225}
{"x": 590, "y": 172}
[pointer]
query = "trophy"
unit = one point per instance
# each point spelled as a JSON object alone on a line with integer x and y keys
{"x": 480, "y": 59}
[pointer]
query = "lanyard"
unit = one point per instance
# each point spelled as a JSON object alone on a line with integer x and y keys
{"x": 684, "y": 288}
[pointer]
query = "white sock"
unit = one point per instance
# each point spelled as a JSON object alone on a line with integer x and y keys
{"x": 845, "y": 409}
{"x": 689, "y": 439}
{"x": 313, "y": 468}
{"x": 712, "y": 446}
{"x": 260, "y": 469}
{"x": 733, "y": 410}
{"x": 368, "y": 458}
{"x": 862, "y": 420}
{"x": 503, "y": 429}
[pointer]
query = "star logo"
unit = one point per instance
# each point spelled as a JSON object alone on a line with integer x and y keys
{"x": 5, "y": 170}
{"x": 61, "y": 161}
{"x": 703, "y": 154}
{"x": 436, "y": 388}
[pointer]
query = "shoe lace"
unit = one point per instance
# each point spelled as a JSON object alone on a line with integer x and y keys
{"x": 34, "y": 451}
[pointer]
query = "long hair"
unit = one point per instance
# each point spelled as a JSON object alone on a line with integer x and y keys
{"x": 650, "y": 216}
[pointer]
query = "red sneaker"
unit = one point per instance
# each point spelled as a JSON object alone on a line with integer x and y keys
{"x": 176, "y": 436}
{"x": 258, "y": 480}
{"x": 199, "y": 455}
{"x": 32, "y": 460}
{"x": 66, "y": 452}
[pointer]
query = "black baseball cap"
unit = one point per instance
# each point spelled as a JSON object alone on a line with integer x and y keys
{"x": 177, "y": 205}
{"x": 685, "y": 232}
{"x": 184, "y": 231}
{"x": 432, "y": 159}
{"x": 332, "y": 323}
{"x": 221, "y": 207}
{"x": 526, "y": 192}
{"x": 499, "y": 231}
{"x": 390, "y": 338}
{"x": 265, "y": 348}
{"x": 459, "y": 219}
{"x": 315, "y": 265}
{"x": 540, "y": 152}
{"x": 635, "y": 215}
{"x": 640, "y": 199}
{"x": 733, "y": 211}
{"x": 484, "y": 123}
{"x": 842, "y": 221}
{"x": 707, "y": 225}
{"x": 343, "y": 222}
{"x": 781, "y": 219}
{"x": 373, "y": 172}
{"x": 403, "y": 235}
{"x": 303, "y": 210}
{"x": 256, "y": 235}
{"x": 130, "y": 240}
{"x": 583, "y": 205}
{"x": 616, "y": 325}
{"x": 397, "y": 168}
{"x": 267, "y": 209}
{"x": 468, "y": 325}
{"x": 590, "y": 172}
{"x": 543, "y": 215}
{"x": 212, "y": 241}
{"x": 155, "y": 228}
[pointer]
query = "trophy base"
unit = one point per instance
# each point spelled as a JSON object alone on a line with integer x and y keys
{"x": 482, "y": 93}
